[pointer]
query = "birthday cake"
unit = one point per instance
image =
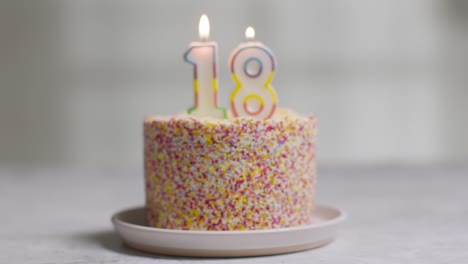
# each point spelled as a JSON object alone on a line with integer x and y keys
{"x": 230, "y": 174}
{"x": 250, "y": 169}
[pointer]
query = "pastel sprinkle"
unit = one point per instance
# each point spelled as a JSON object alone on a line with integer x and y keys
{"x": 234, "y": 174}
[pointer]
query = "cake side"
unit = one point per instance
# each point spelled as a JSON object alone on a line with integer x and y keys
{"x": 233, "y": 174}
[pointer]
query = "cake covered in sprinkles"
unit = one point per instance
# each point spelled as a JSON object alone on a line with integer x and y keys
{"x": 230, "y": 174}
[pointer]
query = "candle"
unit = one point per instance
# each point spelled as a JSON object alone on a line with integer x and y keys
{"x": 203, "y": 56}
{"x": 253, "y": 66}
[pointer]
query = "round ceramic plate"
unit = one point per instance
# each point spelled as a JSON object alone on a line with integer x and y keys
{"x": 130, "y": 224}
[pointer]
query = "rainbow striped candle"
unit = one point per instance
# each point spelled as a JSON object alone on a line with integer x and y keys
{"x": 253, "y": 67}
{"x": 203, "y": 56}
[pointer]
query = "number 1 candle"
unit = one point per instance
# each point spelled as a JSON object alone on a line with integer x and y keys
{"x": 253, "y": 66}
{"x": 203, "y": 56}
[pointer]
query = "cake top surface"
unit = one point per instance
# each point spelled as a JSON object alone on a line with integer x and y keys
{"x": 281, "y": 115}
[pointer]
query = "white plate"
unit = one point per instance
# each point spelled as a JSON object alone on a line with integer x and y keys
{"x": 130, "y": 224}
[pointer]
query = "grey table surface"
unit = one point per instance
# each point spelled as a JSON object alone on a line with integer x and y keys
{"x": 396, "y": 214}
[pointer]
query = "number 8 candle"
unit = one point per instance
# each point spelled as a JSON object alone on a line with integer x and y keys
{"x": 204, "y": 58}
{"x": 253, "y": 66}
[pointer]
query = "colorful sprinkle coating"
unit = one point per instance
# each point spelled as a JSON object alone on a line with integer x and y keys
{"x": 234, "y": 174}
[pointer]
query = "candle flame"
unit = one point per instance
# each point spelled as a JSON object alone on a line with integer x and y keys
{"x": 204, "y": 28}
{"x": 250, "y": 33}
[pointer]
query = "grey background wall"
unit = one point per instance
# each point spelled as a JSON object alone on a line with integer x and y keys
{"x": 387, "y": 78}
